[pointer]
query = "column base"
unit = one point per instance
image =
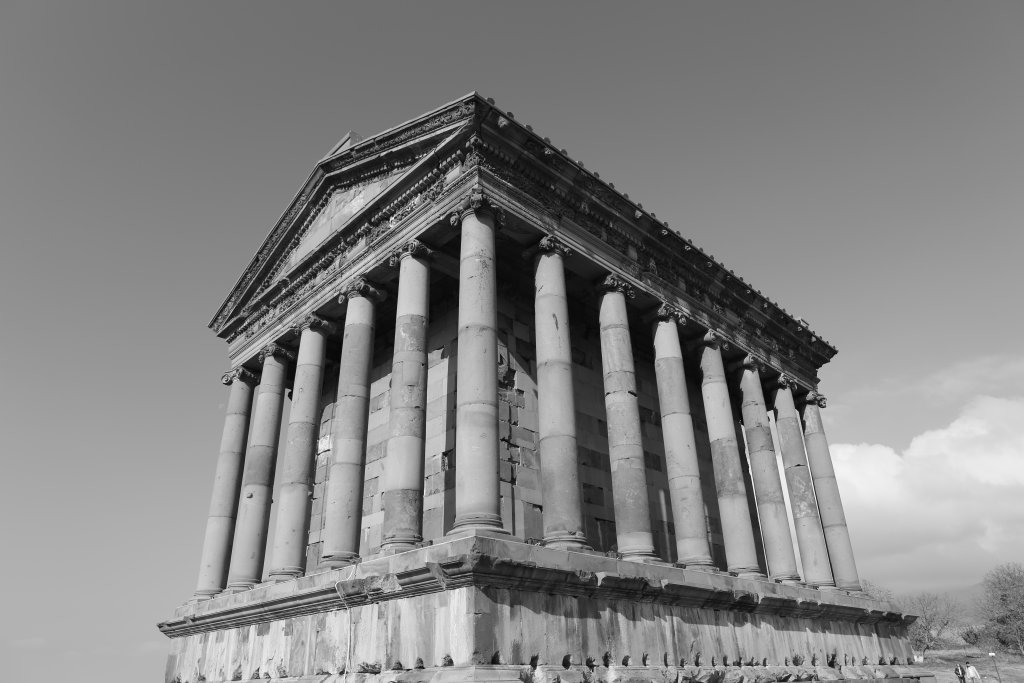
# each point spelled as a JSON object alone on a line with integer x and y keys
{"x": 466, "y": 531}
{"x": 285, "y": 574}
{"x": 700, "y": 567}
{"x": 339, "y": 561}
{"x": 402, "y": 547}
{"x": 482, "y": 521}
{"x": 745, "y": 573}
{"x": 205, "y": 594}
{"x": 239, "y": 587}
{"x": 567, "y": 541}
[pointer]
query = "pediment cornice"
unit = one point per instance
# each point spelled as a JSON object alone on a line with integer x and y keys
{"x": 393, "y": 150}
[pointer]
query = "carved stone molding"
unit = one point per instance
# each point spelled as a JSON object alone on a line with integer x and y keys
{"x": 751, "y": 362}
{"x": 474, "y": 202}
{"x": 614, "y": 283}
{"x": 667, "y": 311}
{"x": 364, "y": 288}
{"x": 816, "y": 398}
{"x": 239, "y": 375}
{"x": 277, "y": 351}
{"x": 783, "y": 381}
{"x": 549, "y": 244}
{"x": 413, "y": 248}
{"x": 315, "y": 322}
{"x": 714, "y": 340}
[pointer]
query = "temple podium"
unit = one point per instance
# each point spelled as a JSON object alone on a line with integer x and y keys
{"x": 534, "y": 435}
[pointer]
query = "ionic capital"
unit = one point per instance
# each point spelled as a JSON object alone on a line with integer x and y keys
{"x": 783, "y": 381}
{"x": 714, "y": 340}
{"x": 315, "y": 323}
{"x": 815, "y": 398}
{"x": 549, "y": 244}
{"x": 614, "y": 283}
{"x": 361, "y": 287}
{"x": 277, "y": 351}
{"x": 752, "y": 363}
{"x": 474, "y": 202}
{"x": 239, "y": 374}
{"x": 666, "y": 312}
{"x": 413, "y": 248}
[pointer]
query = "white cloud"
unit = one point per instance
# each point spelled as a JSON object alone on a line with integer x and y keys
{"x": 946, "y": 509}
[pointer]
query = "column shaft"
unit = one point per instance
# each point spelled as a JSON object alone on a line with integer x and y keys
{"x": 559, "y": 463}
{"x": 291, "y": 530}
{"x": 737, "y": 531}
{"x": 809, "y": 535}
{"x": 477, "y": 497}
{"x": 625, "y": 447}
{"x": 220, "y": 525}
{"x": 830, "y": 505}
{"x": 343, "y": 501}
{"x": 686, "y": 498}
{"x": 249, "y": 547}
{"x": 403, "y": 471}
{"x": 764, "y": 471}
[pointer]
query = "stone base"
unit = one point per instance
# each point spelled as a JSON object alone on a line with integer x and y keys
{"x": 480, "y": 608}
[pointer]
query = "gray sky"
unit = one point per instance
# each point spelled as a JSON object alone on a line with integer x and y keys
{"x": 861, "y": 163}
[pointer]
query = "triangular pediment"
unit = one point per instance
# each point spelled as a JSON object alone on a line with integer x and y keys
{"x": 338, "y": 202}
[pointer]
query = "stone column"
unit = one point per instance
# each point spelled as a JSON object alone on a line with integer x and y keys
{"x": 809, "y": 535}
{"x": 559, "y": 461}
{"x": 403, "y": 471}
{"x": 477, "y": 497}
{"x": 291, "y": 529}
{"x": 343, "y": 500}
{"x": 737, "y": 531}
{"x": 826, "y": 490}
{"x": 625, "y": 448}
{"x": 220, "y": 525}
{"x": 250, "y": 544}
{"x": 686, "y": 498}
{"x": 764, "y": 471}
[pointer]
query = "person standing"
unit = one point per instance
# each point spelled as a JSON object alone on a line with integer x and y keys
{"x": 960, "y": 672}
{"x": 972, "y": 673}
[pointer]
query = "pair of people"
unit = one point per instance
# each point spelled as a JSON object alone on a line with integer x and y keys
{"x": 966, "y": 673}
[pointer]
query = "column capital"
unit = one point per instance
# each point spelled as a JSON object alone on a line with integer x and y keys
{"x": 667, "y": 311}
{"x": 276, "y": 350}
{"x": 615, "y": 283}
{"x": 714, "y": 340}
{"x": 316, "y": 323}
{"x": 413, "y": 248}
{"x": 549, "y": 244}
{"x": 783, "y": 381}
{"x": 751, "y": 362}
{"x": 361, "y": 287}
{"x": 814, "y": 397}
{"x": 239, "y": 374}
{"x": 474, "y": 202}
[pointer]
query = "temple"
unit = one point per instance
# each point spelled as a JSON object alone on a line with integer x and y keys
{"x": 532, "y": 434}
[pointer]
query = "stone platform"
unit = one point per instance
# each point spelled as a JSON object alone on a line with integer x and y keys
{"x": 481, "y": 608}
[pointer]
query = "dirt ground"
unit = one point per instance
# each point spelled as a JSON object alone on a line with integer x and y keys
{"x": 942, "y": 663}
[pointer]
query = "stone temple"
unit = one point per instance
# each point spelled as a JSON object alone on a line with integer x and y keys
{"x": 534, "y": 435}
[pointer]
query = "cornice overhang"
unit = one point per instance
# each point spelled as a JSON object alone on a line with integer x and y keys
{"x": 653, "y": 236}
{"x": 660, "y": 256}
